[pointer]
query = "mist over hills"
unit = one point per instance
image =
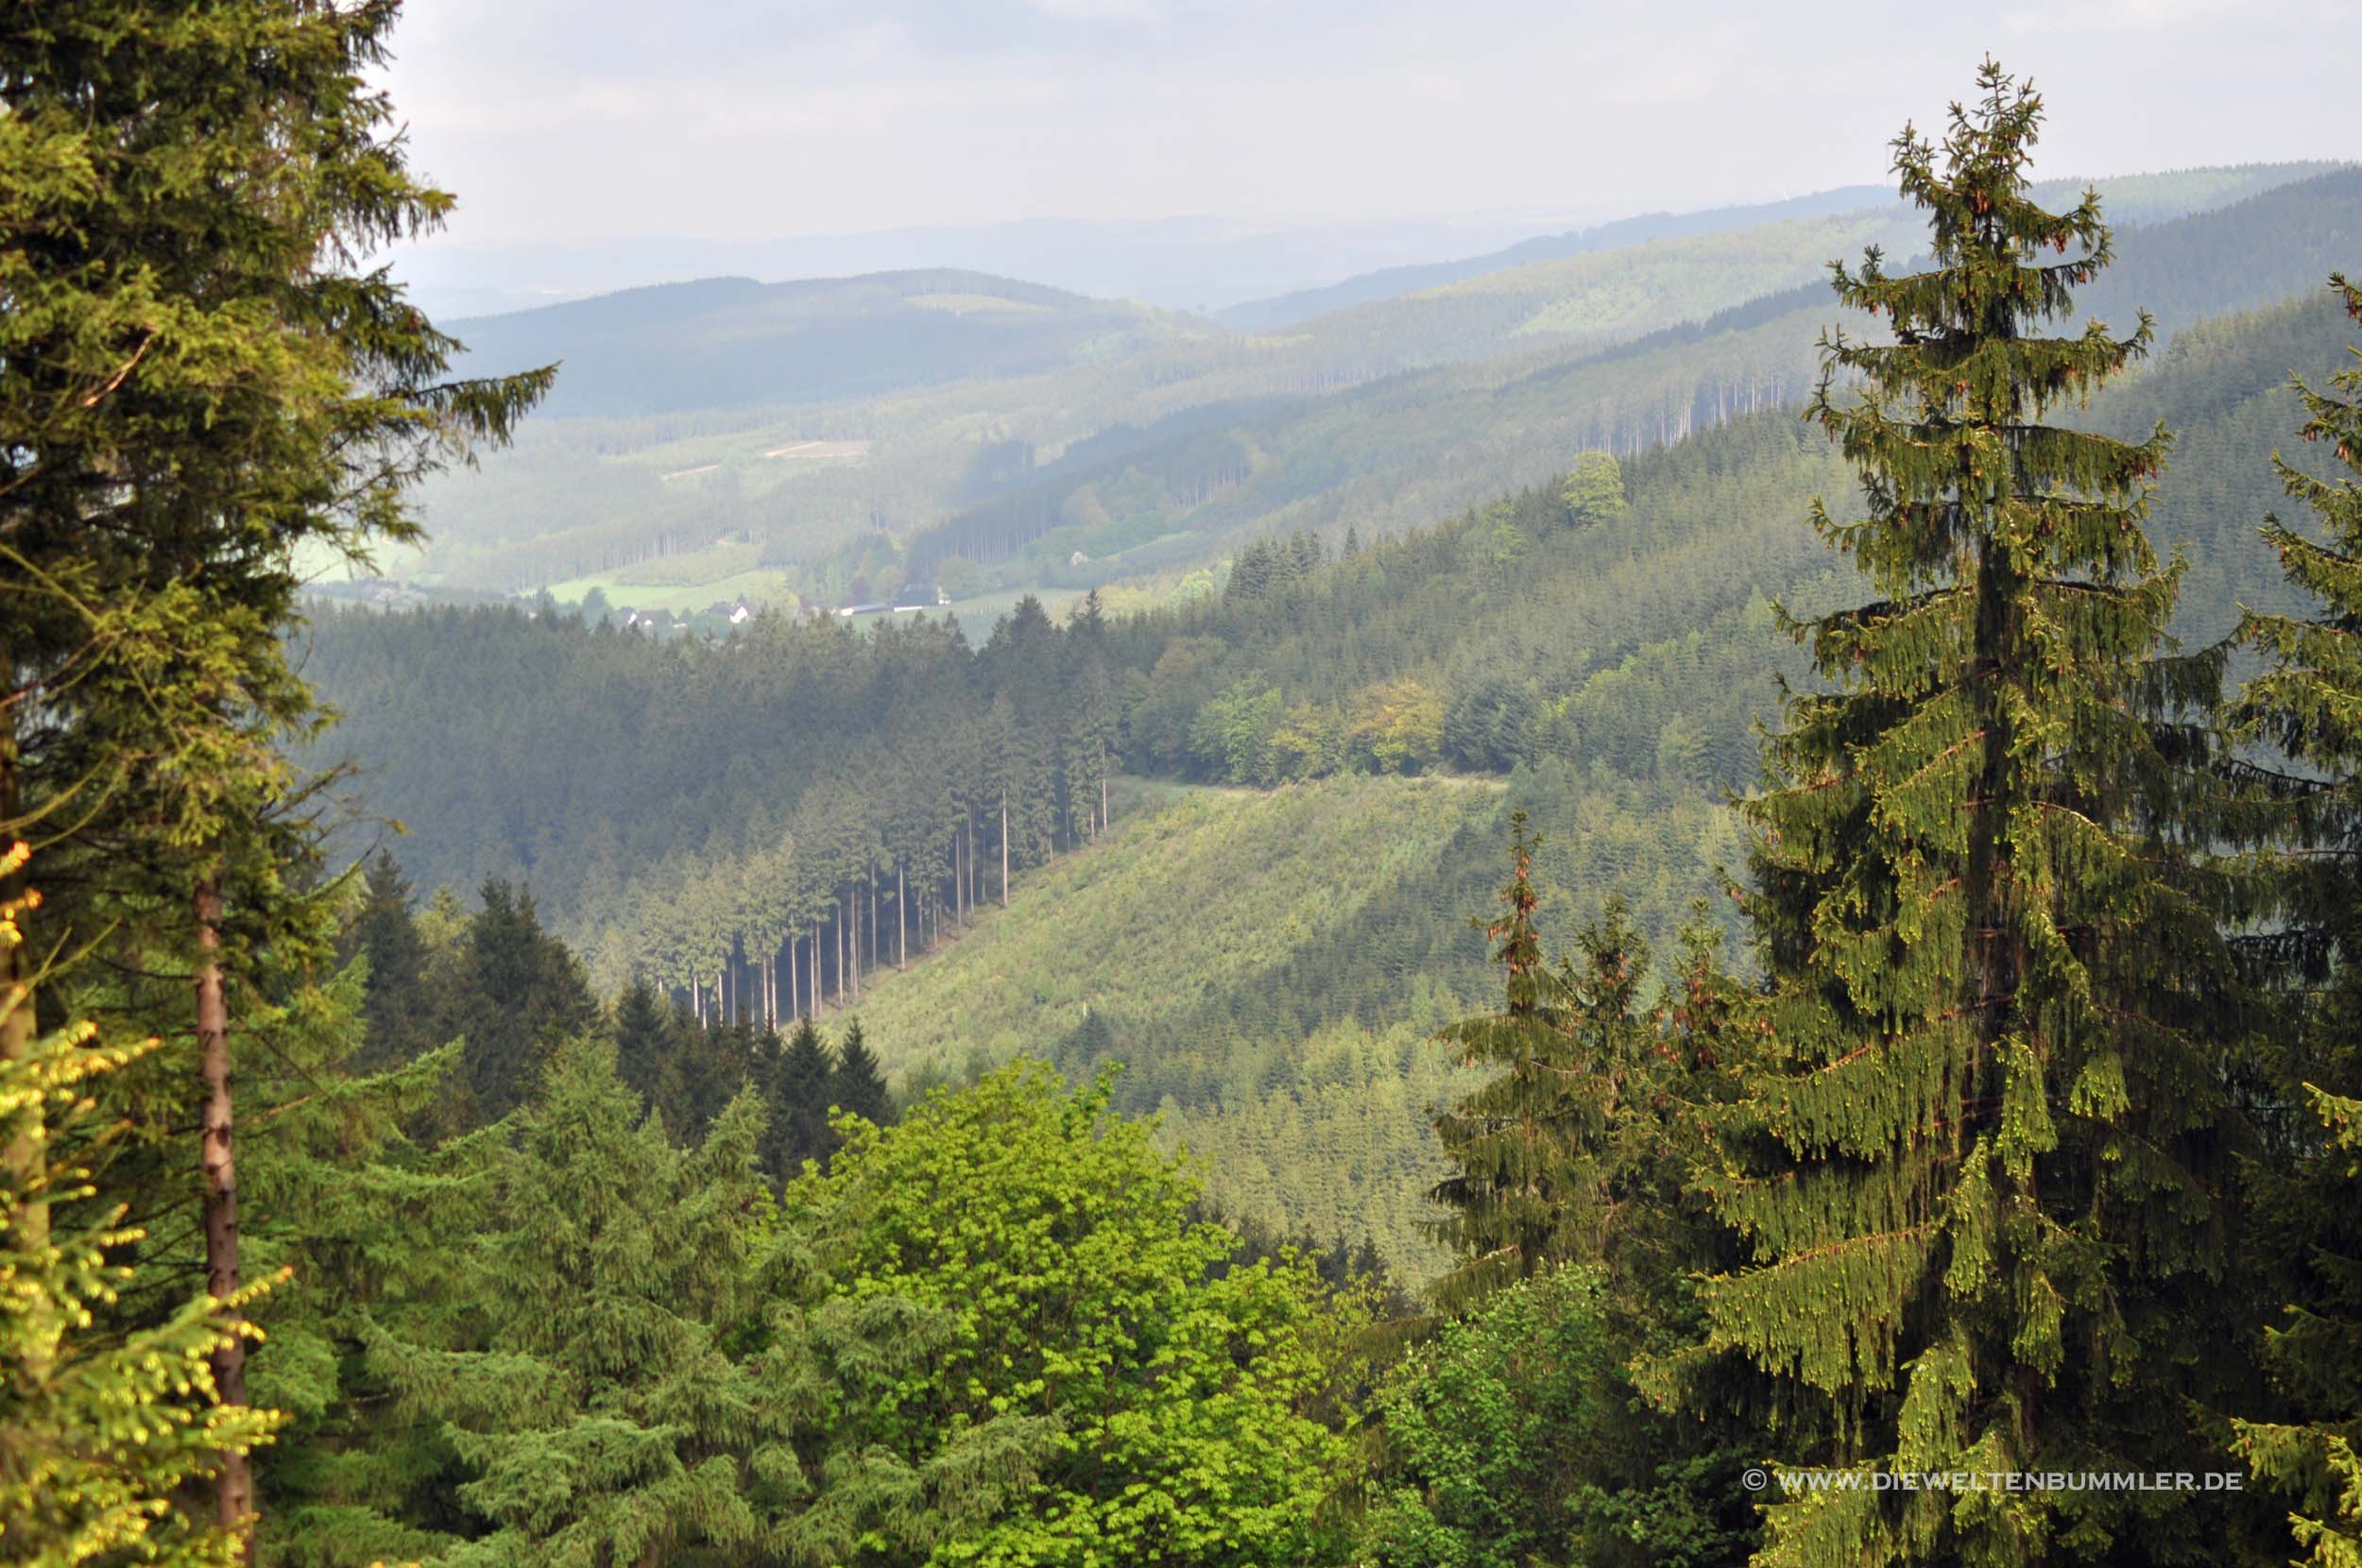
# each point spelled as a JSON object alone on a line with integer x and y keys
{"x": 1178, "y": 263}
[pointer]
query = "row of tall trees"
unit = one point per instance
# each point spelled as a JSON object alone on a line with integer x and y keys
{"x": 758, "y": 823}
{"x": 2029, "y": 1151}
{"x": 901, "y": 841}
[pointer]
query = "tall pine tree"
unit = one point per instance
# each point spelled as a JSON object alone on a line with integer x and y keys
{"x": 1527, "y": 1190}
{"x": 2308, "y": 706}
{"x": 1979, "y": 1162}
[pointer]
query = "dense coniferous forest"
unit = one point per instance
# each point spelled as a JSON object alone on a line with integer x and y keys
{"x": 1784, "y": 996}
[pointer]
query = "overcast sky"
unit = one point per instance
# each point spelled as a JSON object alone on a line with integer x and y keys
{"x": 578, "y": 120}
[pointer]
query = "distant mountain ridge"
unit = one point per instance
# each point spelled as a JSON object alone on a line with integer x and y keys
{"x": 1286, "y": 310}
{"x": 716, "y": 342}
{"x": 2132, "y": 199}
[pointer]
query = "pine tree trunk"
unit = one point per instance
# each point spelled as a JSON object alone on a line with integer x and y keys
{"x": 1102, "y": 798}
{"x": 234, "y": 1488}
{"x": 873, "y": 916}
{"x": 842, "y": 968}
{"x": 816, "y": 993}
{"x": 794, "y": 992}
{"x": 902, "y": 918}
{"x": 1004, "y": 847}
{"x": 959, "y": 874}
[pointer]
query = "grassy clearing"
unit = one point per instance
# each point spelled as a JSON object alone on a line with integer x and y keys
{"x": 1196, "y": 894}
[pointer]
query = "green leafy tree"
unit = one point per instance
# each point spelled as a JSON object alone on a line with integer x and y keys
{"x": 1594, "y": 489}
{"x": 1983, "y": 1159}
{"x": 1113, "y": 1402}
{"x": 1511, "y": 1441}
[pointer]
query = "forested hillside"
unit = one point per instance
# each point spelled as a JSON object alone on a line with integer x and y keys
{"x": 801, "y": 811}
{"x": 1616, "y": 618}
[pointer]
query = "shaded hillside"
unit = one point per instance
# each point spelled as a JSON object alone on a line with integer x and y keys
{"x": 731, "y": 341}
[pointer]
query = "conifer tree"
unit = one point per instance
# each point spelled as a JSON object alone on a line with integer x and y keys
{"x": 526, "y": 991}
{"x": 602, "y": 1420}
{"x": 1980, "y": 1162}
{"x": 1526, "y": 1189}
{"x": 855, "y": 1085}
{"x": 397, "y": 1014}
{"x": 363, "y": 1226}
{"x": 800, "y": 1078}
{"x": 2308, "y": 706}
{"x": 198, "y": 378}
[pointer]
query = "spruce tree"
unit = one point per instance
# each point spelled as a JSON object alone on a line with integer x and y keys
{"x": 197, "y": 380}
{"x": 1527, "y": 1190}
{"x": 586, "y": 1389}
{"x": 397, "y": 1014}
{"x": 855, "y": 1085}
{"x": 797, "y": 1094}
{"x": 525, "y": 993}
{"x": 1982, "y": 1159}
{"x": 2308, "y": 706}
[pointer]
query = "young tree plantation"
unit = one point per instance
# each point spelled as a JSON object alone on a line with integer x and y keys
{"x": 1780, "y": 990}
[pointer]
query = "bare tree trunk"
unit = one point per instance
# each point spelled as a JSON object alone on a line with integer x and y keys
{"x": 902, "y": 918}
{"x": 795, "y": 993}
{"x": 234, "y": 1488}
{"x": 873, "y": 916}
{"x": 1103, "y": 796}
{"x": 1004, "y": 847}
{"x": 816, "y": 971}
{"x": 841, "y": 967}
{"x": 959, "y": 872}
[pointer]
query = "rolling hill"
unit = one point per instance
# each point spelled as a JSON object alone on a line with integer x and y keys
{"x": 727, "y": 342}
